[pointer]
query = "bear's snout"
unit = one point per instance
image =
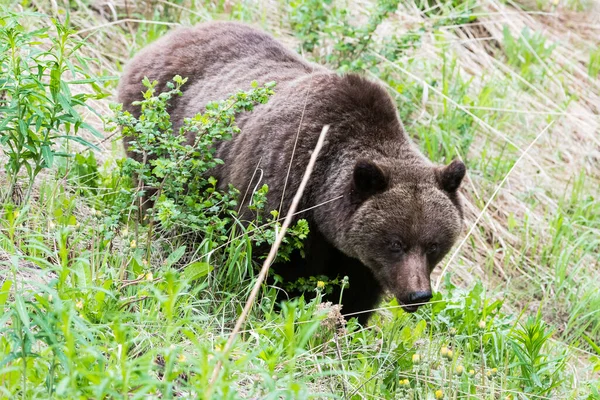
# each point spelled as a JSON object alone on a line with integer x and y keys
{"x": 416, "y": 299}
{"x": 412, "y": 279}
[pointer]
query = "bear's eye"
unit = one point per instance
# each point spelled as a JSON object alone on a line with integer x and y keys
{"x": 432, "y": 248}
{"x": 396, "y": 246}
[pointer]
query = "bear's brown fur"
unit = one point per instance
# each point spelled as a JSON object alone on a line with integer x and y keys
{"x": 397, "y": 214}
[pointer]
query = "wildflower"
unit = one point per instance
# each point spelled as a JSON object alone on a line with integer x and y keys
{"x": 439, "y": 394}
{"x": 145, "y": 262}
{"x": 444, "y": 351}
{"x": 449, "y": 354}
{"x": 133, "y": 244}
{"x": 452, "y": 332}
{"x": 124, "y": 232}
{"x": 181, "y": 358}
{"x": 149, "y": 276}
{"x": 459, "y": 370}
{"x": 492, "y": 372}
{"x": 79, "y": 304}
{"x": 320, "y": 285}
{"x": 404, "y": 382}
{"x": 471, "y": 372}
{"x": 416, "y": 359}
{"x": 482, "y": 324}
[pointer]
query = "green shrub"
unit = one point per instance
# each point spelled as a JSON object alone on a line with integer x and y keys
{"x": 37, "y": 107}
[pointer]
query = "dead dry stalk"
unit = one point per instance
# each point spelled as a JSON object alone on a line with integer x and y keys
{"x": 272, "y": 253}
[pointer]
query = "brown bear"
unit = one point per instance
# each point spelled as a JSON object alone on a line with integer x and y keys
{"x": 395, "y": 215}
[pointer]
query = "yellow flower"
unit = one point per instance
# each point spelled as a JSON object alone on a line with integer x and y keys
{"x": 471, "y": 372}
{"x": 459, "y": 370}
{"x": 149, "y": 276}
{"x": 320, "y": 285}
{"x": 452, "y": 332}
{"x": 79, "y": 304}
{"x": 449, "y": 354}
{"x": 416, "y": 359}
{"x": 444, "y": 351}
{"x": 404, "y": 382}
{"x": 133, "y": 244}
{"x": 439, "y": 394}
{"x": 181, "y": 358}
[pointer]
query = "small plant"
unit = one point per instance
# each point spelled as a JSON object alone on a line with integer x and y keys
{"x": 183, "y": 195}
{"x": 528, "y": 53}
{"x": 594, "y": 65}
{"x": 540, "y": 373}
{"x": 37, "y": 107}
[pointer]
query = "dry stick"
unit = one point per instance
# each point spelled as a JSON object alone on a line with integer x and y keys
{"x": 272, "y": 253}
{"x": 439, "y": 279}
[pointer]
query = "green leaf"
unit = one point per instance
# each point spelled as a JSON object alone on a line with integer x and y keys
{"x": 80, "y": 140}
{"x": 55, "y": 81}
{"x": 175, "y": 256}
{"x": 48, "y": 155}
{"x": 4, "y": 291}
{"x": 196, "y": 270}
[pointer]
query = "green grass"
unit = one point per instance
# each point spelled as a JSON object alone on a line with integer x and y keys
{"x": 92, "y": 305}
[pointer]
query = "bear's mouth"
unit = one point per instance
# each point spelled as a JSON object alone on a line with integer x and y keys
{"x": 409, "y": 308}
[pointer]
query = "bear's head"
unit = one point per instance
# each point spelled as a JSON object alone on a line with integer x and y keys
{"x": 406, "y": 218}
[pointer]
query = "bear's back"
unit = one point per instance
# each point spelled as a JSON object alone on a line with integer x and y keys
{"x": 217, "y": 58}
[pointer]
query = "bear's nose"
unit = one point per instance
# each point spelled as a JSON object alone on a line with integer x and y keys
{"x": 419, "y": 297}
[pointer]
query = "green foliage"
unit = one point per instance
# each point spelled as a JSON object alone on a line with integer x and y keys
{"x": 173, "y": 173}
{"x": 176, "y": 168}
{"x": 528, "y": 53}
{"x": 318, "y": 22}
{"x": 37, "y": 105}
{"x": 540, "y": 372}
{"x": 594, "y": 64}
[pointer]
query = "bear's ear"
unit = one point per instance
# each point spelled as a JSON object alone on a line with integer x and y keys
{"x": 450, "y": 176}
{"x": 368, "y": 178}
